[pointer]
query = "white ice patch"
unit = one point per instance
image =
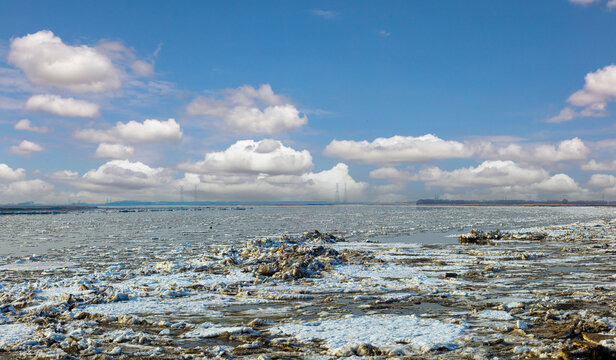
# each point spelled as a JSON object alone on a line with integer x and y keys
{"x": 196, "y": 304}
{"x": 379, "y": 271}
{"x": 209, "y": 332}
{"x": 12, "y": 333}
{"x": 164, "y": 282}
{"x": 495, "y": 315}
{"x": 37, "y": 265}
{"x": 385, "y": 332}
{"x": 399, "y": 273}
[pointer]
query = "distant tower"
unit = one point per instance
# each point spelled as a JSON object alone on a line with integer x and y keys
{"x": 337, "y": 194}
{"x": 181, "y": 194}
{"x": 345, "y": 193}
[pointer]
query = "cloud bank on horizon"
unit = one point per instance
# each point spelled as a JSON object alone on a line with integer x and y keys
{"x": 89, "y": 119}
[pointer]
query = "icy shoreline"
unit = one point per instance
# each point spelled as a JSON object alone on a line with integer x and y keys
{"x": 316, "y": 296}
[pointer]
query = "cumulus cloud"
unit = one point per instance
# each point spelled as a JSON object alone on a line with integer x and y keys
{"x": 9, "y": 174}
{"x": 408, "y": 149}
{"x": 248, "y": 156}
{"x": 26, "y": 125}
{"x": 319, "y": 186}
{"x": 322, "y": 185}
{"x": 48, "y": 61}
{"x": 496, "y": 179}
{"x": 114, "y": 151}
{"x": 602, "y": 181}
{"x": 119, "y": 177}
{"x": 398, "y": 149}
{"x": 250, "y": 110}
{"x": 123, "y": 179}
{"x": 488, "y": 173}
{"x": 567, "y": 150}
{"x": 611, "y": 4}
{"x": 558, "y": 184}
{"x": 126, "y": 174}
{"x": 26, "y": 148}
{"x": 594, "y": 165}
{"x": 606, "y": 183}
{"x": 599, "y": 89}
{"x": 56, "y": 105}
{"x": 25, "y": 190}
{"x": 149, "y": 131}
{"x": 267, "y": 170}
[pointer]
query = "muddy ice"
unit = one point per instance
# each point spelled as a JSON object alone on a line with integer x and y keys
{"x": 545, "y": 292}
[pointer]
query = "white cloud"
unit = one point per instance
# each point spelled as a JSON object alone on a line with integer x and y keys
{"x": 320, "y": 186}
{"x": 599, "y": 88}
{"x": 122, "y": 179}
{"x": 56, "y": 105}
{"x": 488, "y": 173}
{"x": 142, "y": 68}
{"x": 115, "y": 50}
{"x": 384, "y": 33}
{"x": 611, "y": 4}
{"x": 267, "y": 170}
{"x": 8, "y": 174}
{"x": 47, "y": 61}
{"x": 114, "y": 151}
{"x": 565, "y": 114}
{"x": 567, "y": 150}
{"x": 408, "y": 149}
{"x": 583, "y": 2}
{"x": 594, "y": 165}
{"x": 392, "y": 174}
{"x": 398, "y": 149}
{"x": 149, "y": 131}
{"x": 605, "y": 183}
{"x": 248, "y": 156}
{"x": 498, "y": 179}
{"x": 64, "y": 175}
{"x": 26, "y": 125}
{"x": 602, "y": 181}
{"x": 324, "y": 14}
{"x": 250, "y": 111}
{"x": 558, "y": 184}
{"x": 122, "y": 176}
{"x": 25, "y": 190}
{"x": 26, "y": 148}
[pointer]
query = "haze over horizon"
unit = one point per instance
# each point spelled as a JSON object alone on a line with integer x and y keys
{"x": 298, "y": 101}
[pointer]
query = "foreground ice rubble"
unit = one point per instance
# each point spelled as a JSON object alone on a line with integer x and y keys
{"x": 314, "y": 295}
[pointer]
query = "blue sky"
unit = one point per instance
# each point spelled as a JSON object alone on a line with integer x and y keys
{"x": 284, "y": 100}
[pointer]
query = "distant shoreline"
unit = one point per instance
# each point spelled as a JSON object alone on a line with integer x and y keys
{"x": 60, "y": 209}
{"x": 42, "y": 209}
{"x": 563, "y": 203}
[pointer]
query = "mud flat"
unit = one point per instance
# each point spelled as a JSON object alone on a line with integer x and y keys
{"x": 546, "y": 292}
